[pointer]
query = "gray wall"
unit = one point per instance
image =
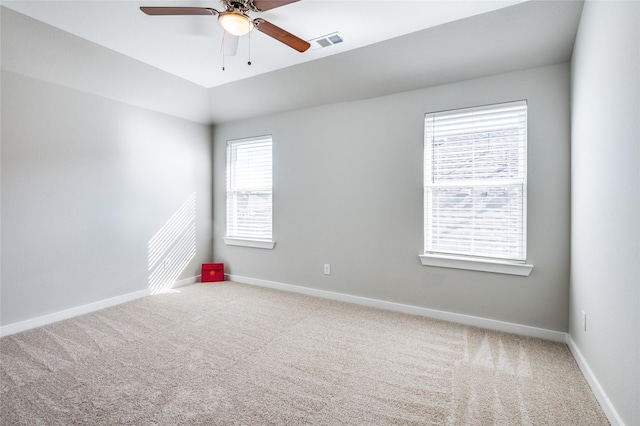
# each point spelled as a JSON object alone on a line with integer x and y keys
{"x": 348, "y": 191}
{"x": 38, "y": 50}
{"x": 605, "y": 243}
{"x": 87, "y": 182}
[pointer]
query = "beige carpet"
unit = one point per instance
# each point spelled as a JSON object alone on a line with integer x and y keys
{"x": 227, "y": 353}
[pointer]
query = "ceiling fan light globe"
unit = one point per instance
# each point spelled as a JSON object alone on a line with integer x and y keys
{"x": 235, "y": 23}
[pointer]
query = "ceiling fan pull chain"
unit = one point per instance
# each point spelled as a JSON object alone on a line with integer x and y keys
{"x": 249, "y": 62}
{"x": 224, "y": 34}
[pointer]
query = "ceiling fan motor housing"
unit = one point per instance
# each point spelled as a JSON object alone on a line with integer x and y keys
{"x": 238, "y": 6}
{"x": 236, "y": 21}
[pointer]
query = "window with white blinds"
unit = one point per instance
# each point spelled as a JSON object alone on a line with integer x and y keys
{"x": 249, "y": 189}
{"x": 475, "y": 182}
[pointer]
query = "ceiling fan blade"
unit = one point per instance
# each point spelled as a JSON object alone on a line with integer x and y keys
{"x": 229, "y": 44}
{"x": 263, "y": 5}
{"x": 281, "y": 35}
{"x": 178, "y": 10}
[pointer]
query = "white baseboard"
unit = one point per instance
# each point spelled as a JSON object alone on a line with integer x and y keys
{"x": 186, "y": 281}
{"x": 599, "y": 393}
{"x": 17, "y": 327}
{"x": 524, "y": 330}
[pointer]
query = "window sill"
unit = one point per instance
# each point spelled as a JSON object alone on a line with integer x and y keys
{"x": 262, "y": 244}
{"x": 484, "y": 265}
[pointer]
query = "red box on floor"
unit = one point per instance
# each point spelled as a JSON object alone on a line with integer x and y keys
{"x": 212, "y": 272}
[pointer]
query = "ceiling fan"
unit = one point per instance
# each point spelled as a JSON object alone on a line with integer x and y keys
{"x": 236, "y": 21}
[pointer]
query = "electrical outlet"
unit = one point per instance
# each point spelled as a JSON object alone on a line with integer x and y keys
{"x": 584, "y": 321}
{"x": 327, "y": 269}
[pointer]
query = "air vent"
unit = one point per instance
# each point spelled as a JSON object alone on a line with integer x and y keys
{"x": 326, "y": 41}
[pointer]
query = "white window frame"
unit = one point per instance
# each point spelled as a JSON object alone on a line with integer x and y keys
{"x": 480, "y": 260}
{"x": 236, "y": 231}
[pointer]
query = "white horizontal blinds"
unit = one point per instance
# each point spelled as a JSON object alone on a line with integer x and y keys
{"x": 475, "y": 181}
{"x": 249, "y": 188}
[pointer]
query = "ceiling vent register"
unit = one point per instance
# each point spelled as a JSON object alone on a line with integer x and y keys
{"x": 325, "y": 41}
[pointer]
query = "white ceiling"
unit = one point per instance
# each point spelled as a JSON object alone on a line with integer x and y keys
{"x": 190, "y": 46}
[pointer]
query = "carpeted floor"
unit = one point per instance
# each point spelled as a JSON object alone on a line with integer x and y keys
{"x": 227, "y": 353}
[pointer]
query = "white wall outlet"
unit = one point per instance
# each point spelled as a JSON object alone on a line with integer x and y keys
{"x": 327, "y": 269}
{"x": 584, "y": 321}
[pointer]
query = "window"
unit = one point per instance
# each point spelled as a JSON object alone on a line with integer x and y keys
{"x": 249, "y": 192}
{"x": 475, "y": 187}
